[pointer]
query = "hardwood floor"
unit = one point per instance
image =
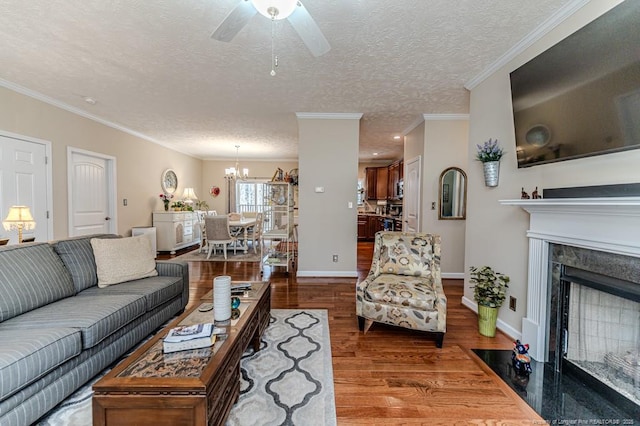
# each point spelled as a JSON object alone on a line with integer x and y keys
{"x": 391, "y": 375}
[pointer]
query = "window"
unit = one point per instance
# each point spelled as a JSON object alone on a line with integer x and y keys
{"x": 250, "y": 196}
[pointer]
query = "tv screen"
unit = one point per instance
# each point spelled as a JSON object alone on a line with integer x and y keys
{"x": 581, "y": 97}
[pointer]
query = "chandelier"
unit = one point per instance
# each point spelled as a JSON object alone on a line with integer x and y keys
{"x": 234, "y": 172}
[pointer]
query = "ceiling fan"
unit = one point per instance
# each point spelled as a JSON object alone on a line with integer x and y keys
{"x": 292, "y": 10}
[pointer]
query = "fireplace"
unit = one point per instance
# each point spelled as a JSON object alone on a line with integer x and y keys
{"x": 583, "y": 280}
{"x": 594, "y": 318}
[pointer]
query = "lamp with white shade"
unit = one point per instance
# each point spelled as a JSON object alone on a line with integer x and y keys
{"x": 189, "y": 196}
{"x": 19, "y": 218}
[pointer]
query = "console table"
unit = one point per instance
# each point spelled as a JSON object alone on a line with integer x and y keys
{"x": 176, "y": 230}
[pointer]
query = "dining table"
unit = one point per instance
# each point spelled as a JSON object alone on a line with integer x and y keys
{"x": 241, "y": 226}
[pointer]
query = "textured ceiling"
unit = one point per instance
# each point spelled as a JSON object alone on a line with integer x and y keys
{"x": 153, "y": 68}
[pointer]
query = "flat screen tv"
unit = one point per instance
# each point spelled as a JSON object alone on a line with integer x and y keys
{"x": 581, "y": 97}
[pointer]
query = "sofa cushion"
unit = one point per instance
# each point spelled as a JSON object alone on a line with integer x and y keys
{"x": 405, "y": 254}
{"x": 96, "y": 316}
{"x": 123, "y": 259}
{"x": 77, "y": 256}
{"x": 410, "y": 292}
{"x": 25, "y": 356}
{"x": 155, "y": 290}
{"x": 31, "y": 275}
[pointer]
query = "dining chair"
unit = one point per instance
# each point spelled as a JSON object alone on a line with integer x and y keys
{"x": 254, "y": 234}
{"x": 217, "y": 230}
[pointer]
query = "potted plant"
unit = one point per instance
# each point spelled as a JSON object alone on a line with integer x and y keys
{"x": 489, "y": 292}
{"x": 490, "y": 154}
{"x": 166, "y": 198}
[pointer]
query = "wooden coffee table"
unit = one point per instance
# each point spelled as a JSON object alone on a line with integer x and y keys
{"x": 196, "y": 387}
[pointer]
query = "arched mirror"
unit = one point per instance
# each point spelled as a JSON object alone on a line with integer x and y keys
{"x": 453, "y": 194}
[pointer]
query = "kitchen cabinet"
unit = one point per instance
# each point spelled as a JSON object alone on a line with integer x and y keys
{"x": 368, "y": 225}
{"x": 175, "y": 230}
{"x": 372, "y": 177}
{"x": 396, "y": 173}
{"x": 377, "y": 183}
{"x": 363, "y": 227}
{"x": 382, "y": 182}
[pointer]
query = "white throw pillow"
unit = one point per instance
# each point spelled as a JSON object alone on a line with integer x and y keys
{"x": 123, "y": 259}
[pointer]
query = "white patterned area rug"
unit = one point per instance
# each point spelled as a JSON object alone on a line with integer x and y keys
{"x": 288, "y": 382}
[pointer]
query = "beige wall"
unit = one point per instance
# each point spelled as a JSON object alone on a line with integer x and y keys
{"x": 213, "y": 175}
{"x": 140, "y": 163}
{"x": 495, "y": 234}
{"x": 445, "y": 143}
{"x": 328, "y": 156}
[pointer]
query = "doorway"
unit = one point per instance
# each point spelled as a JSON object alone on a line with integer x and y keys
{"x": 25, "y": 179}
{"x": 92, "y": 196}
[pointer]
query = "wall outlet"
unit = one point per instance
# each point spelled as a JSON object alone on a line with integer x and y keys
{"x": 335, "y": 258}
{"x": 433, "y": 205}
{"x": 512, "y": 303}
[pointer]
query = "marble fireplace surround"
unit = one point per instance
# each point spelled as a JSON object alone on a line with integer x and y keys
{"x": 608, "y": 224}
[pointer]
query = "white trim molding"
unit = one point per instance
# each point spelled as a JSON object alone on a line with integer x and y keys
{"x": 541, "y": 30}
{"x": 56, "y": 103}
{"x": 436, "y": 117}
{"x": 329, "y": 115}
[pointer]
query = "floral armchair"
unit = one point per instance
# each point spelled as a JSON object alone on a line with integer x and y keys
{"x": 404, "y": 287}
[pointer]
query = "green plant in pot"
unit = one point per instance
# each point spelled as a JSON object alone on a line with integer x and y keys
{"x": 489, "y": 292}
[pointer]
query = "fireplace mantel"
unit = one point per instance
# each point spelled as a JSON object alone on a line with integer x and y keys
{"x": 609, "y": 224}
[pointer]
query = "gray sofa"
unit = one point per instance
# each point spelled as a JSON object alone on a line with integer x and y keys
{"x": 58, "y": 329}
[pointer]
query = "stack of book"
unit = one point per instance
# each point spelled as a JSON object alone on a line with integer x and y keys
{"x": 189, "y": 337}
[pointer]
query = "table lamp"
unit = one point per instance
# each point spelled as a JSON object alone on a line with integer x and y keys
{"x": 189, "y": 195}
{"x": 19, "y": 218}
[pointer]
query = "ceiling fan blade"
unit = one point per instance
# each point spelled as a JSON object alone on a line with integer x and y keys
{"x": 309, "y": 31}
{"x": 235, "y": 21}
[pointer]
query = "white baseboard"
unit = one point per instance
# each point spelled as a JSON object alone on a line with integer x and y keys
{"x": 334, "y": 274}
{"x": 500, "y": 325}
{"x": 453, "y": 275}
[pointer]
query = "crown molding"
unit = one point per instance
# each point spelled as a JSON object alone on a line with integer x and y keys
{"x": 329, "y": 115}
{"x": 544, "y": 28}
{"x": 53, "y": 102}
{"x": 433, "y": 117}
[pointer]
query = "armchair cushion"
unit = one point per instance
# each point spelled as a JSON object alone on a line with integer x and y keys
{"x": 403, "y": 291}
{"x": 412, "y": 255}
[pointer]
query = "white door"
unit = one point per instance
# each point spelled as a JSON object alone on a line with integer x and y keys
{"x": 25, "y": 179}
{"x": 91, "y": 193}
{"x": 411, "y": 198}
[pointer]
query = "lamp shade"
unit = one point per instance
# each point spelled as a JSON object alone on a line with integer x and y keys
{"x": 275, "y": 9}
{"x": 19, "y": 217}
{"x": 189, "y": 195}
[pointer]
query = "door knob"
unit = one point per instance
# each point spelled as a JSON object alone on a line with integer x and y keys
{"x": 107, "y": 218}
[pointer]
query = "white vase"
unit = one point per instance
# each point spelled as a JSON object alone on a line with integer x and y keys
{"x": 491, "y": 173}
{"x": 222, "y": 298}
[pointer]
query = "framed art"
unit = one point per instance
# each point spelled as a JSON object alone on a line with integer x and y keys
{"x": 169, "y": 181}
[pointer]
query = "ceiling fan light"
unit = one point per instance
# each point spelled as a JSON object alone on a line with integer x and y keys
{"x": 284, "y": 8}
